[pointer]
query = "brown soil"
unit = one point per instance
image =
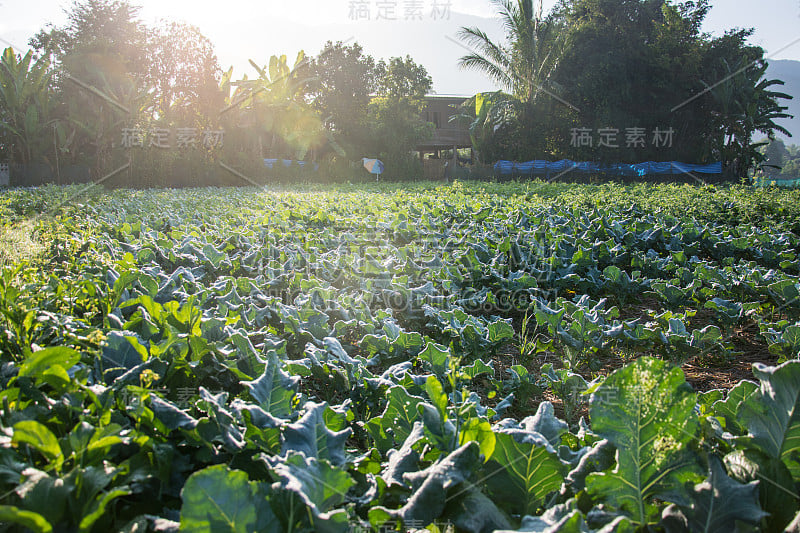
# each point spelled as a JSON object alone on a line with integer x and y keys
{"x": 703, "y": 373}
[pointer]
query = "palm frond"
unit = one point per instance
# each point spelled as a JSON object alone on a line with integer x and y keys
{"x": 477, "y": 62}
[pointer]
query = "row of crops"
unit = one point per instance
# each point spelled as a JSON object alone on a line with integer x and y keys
{"x": 379, "y": 359}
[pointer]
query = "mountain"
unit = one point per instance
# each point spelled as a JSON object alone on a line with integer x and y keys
{"x": 788, "y": 71}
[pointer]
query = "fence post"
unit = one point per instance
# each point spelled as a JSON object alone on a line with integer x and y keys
{"x": 5, "y": 174}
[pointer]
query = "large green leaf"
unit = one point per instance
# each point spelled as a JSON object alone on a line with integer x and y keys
{"x": 403, "y": 460}
{"x": 545, "y": 423}
{"x": 646, "y": 410}
{"x": 772, "y": 414}
{"x": 394, "y": 426}
{"x": 521, "y": 473}
{"x": 600, "y": 456}
{"x": 311, "y": 436}
{"x": 98, "y": 508}
{"x": 43, "y": 494}
{"x": 500, "y": 331}
{"x": 728, "y": 408}
{"x": 431, "y": 487}
{"x": 39, "y": 362}
{"x": 217, "y": 500}
{"x": 718, "y": 503}
{"x": 437, "y": 357}
{"x": 776, "y": 489}
{"x": 42, "y": 439}
{"x": 220, "y": 425}
{"x": 27, "y": 519}
{"x": 275, "y": 389}
{"x": 122, "y": 352}
{"x": 171, "y": 415}
{"x": 320, "y": 488}
{"x": 474, "y": 511}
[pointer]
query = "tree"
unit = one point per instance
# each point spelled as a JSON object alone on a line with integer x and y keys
{"x": 624, "y": 67}
{"x": 647, "y": 64}
{"x": 525, "y": 64}
{"x": 115, "y": 72}
{"x": 791, "y": 169}
{"x": 344, "y": 81}
{"x": 628, "y": 64}
{"x": 523, "y": 121}
{"x": 402, "y": 78}
{"x": 395, "y": 116}
{"x": 491, "y": 119}
{"x": 371, "y": 109}
{"x": 396, "y": 129}
{"x": 100, "y": 35}
{"x": 101, "y": 59}
{"x": 745, "y": 105}
{"x": 184, "y": 74}
{"x": 775, "y": 153}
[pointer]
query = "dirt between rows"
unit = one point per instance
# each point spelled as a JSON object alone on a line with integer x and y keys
{"x": 704, "y": 373}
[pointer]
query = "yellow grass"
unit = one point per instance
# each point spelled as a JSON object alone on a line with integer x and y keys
{"x": 18, "y": 243}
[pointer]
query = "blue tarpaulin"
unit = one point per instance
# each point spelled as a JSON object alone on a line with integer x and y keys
{"x": 269, "y": 163}
{"x": 766, "y": 181}
{"x": 620, "y": 169}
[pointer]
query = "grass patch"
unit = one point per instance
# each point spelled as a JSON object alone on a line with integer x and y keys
{"x": 19, "y": 243}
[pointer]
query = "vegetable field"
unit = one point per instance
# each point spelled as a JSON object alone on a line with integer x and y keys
{"x": 472, "y": 357}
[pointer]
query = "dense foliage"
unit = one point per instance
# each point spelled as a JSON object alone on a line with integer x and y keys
{"x": 619, "y": 66}
{"x": 321, "y": 359}
{"x": 370, "y": 108}
{"x": 72, "y": 98}
{"x": 780, "y": 161}
{"x": 641, "y": 71}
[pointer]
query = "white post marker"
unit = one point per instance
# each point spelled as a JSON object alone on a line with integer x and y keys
{"x": 373, "y": 166}
{"x": 5, "y": 174}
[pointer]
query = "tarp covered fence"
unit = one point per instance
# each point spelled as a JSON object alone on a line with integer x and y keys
{"x": 648, "y": 168}
{"x": 766, "y": 181}
{"x": 270, "y": 163}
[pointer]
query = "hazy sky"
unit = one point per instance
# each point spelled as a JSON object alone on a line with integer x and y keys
{"x": 242, "y": 30}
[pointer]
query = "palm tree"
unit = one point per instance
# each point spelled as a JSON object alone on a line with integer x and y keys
{"x": 525, "y": 64}
{"x": 524, "y": 67}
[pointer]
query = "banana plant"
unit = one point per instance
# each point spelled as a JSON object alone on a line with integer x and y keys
{"x": 486, "y": 113}
{"x": 98, "y": 112}
{"x": 276, "y": 105}
{"x": 26, "y": 105}
{"x": 746, "y": 105}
